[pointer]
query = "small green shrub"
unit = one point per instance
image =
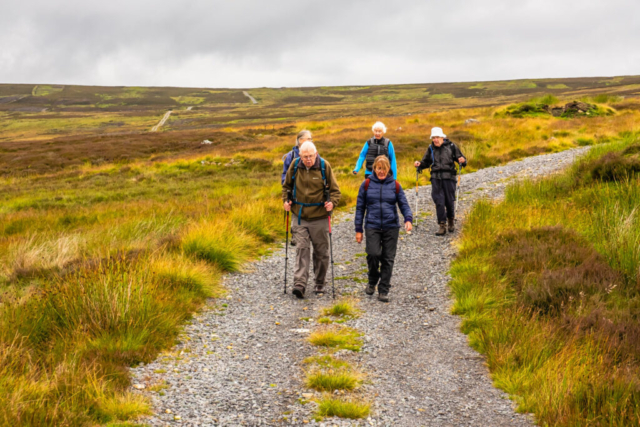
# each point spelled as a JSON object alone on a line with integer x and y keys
{"x": 614, "y": 166}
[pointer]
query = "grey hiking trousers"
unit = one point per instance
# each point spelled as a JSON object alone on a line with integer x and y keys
{"x": 309, "y": 233}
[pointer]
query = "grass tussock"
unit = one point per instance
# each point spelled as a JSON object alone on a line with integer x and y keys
{"x": 336, "y": 338}
{"x": 613, "y": 166}
{"x": 331, "y": 380}
{"x": 548, "y": 284}
{"x": 344, "y": 408}
{"x": 344, "y": 308}
{"x": 326, "y": 373}
{"x": 219, "y": 243}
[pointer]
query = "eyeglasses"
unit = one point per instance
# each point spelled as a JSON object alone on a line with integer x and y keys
{"x": 308, "y": 157}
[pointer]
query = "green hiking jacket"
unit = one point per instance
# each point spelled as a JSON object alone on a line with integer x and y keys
{"x": 309, "y": 189}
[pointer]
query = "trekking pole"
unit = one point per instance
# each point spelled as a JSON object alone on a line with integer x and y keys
{"x": 455, "y": 210}
{"x": 286, "y": 251}
{"x": 327, "y": 196}
{"x": 417, "y": 178}
{"x": 333, "y": 285}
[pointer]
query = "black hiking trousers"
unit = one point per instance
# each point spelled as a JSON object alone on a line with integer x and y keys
{"x": 443, "y": 193}
{"x": 381, "y": 252}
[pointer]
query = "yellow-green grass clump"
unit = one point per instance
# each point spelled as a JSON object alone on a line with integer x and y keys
{"x": 337, "y": 338}
{"x": 327, "y": 373}
{"x": 344, "y": 308}
{"x": 330, "y": 380}
{"x": 352, "y": 408}
{"x": 326, "y": 361}
{"x": 548, "y": 284}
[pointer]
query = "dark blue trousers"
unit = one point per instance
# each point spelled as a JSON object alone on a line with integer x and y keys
{"x": 381, "y": 253}
{"x": 443, "y": 193}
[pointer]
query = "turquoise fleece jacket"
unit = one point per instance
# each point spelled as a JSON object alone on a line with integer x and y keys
{"x": 363, "y": 158}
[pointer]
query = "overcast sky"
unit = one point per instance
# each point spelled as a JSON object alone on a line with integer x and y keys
{"x": 255, "y": 43}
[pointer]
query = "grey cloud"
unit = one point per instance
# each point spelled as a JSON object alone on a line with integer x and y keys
{"x": 248, "y": 43}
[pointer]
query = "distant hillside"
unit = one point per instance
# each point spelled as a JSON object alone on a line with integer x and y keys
{"x": 127, "y": 109}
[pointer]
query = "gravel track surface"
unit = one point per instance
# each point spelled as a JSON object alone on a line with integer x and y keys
{"x": 240, "y": 360}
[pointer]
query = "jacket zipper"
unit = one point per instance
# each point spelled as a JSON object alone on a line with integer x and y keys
{"x": 381, "y": 184}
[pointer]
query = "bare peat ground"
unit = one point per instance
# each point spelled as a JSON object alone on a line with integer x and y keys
{"x": 240, "y": 362}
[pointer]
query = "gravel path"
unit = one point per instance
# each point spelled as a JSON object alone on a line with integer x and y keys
{"x": 240, "y": 361}
{"x": 162, "y": 121}
{"x": 253, "y": 100}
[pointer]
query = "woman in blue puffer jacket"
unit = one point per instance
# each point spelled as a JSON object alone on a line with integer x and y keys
{"x": 378, "y": 199}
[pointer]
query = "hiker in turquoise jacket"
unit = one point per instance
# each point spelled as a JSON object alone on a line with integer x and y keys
{"x": 378, "y": 145}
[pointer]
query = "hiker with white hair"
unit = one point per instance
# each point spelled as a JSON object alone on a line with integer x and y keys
{"x": 376, "y": 146}
{"x": 442, "y": 156}
{"x": 303, "y": 136}
{"x": 310, "y": 191}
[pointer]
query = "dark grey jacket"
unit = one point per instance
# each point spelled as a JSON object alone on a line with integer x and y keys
{"x": 442, "y": 160}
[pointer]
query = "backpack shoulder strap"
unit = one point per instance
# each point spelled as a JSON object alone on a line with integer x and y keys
{"x": 397, "y": 187}
{"x": 323, "y": 169}
{"x": 366, "y": 184}
{"x": 296, "y": 162}
{"x": 385, "y": 142}
{"x": 293, "y": 177}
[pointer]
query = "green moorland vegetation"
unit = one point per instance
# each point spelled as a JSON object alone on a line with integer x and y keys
{"x": 111, "y": 237}
{"x": 548, "y": 284}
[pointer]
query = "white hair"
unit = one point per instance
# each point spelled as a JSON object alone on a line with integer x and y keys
{"x": 308, "y": 146}
{"x": 379, "y": 125}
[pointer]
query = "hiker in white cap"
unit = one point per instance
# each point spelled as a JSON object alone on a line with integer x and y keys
{"x": 442, "y": 156}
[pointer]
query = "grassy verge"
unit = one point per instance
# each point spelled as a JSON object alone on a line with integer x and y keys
{"x": 548, "y": 284}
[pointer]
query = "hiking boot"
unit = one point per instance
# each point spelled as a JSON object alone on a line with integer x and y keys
{"x": 319, "y": 289}
{"x": 298, "y": 291}
{"x": 383, "y": 297}
{"x": 442, "y": 230}
{"x": 452, "y": 225}
{"x": 370, "y": 290}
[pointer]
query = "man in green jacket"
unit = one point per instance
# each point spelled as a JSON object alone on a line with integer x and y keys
{"x": 310, "y": 195}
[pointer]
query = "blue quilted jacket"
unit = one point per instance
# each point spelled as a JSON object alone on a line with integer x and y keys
{"x": 377, "y": 207}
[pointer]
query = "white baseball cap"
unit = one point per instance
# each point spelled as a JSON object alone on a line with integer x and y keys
{"x": 437, "y": 132}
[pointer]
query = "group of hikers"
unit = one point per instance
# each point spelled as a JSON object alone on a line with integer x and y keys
{"x": 310, "y": 191}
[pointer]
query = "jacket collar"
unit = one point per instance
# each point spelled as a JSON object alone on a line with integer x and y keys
{"x": 316, "y": 165}
{"x": 375, "y": 178}
{"x": 445, "y": 142}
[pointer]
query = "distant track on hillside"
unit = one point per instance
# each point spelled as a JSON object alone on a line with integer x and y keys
{"x": 162, "y": 121}
{"x": 245, "y": 93}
